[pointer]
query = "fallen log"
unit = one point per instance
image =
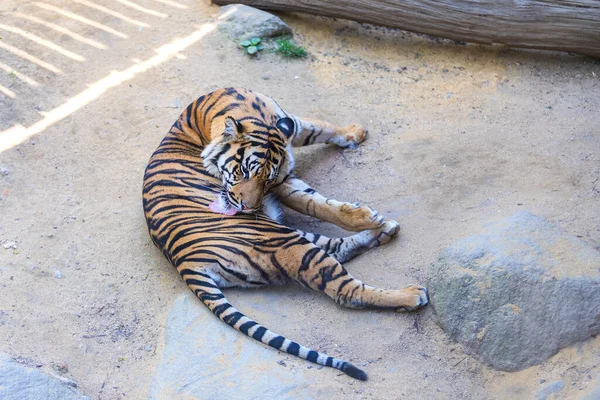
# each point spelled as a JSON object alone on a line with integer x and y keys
{"x": 569, "y": 25}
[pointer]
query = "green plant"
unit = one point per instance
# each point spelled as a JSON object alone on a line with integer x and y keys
{"x": 288, "y": 49}
{"x": 252, "y": 46}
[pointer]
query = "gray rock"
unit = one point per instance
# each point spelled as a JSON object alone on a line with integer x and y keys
{"x": 204, "y": 358}
{"x": 18, "y": 382}
{"x": 242, "y": 22}
{"x": 550, "y": 389}
{"x": 518, "y": 292}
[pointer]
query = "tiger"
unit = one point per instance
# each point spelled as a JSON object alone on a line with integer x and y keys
{"x": 211, "y": 196}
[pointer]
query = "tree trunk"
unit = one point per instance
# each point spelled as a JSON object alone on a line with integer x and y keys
{"x": 567, "y": 25}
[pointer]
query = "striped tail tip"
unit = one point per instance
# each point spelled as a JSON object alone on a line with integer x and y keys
{"x": 354, "y": 372}
{"x": 205, "y": 288}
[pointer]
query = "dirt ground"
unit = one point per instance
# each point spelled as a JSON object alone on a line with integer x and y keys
{"x": 459, "y": 135}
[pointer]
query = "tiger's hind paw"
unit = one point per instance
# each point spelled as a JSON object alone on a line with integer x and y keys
{"x": 358, "y": 218}
{"x": 416, "y": 297}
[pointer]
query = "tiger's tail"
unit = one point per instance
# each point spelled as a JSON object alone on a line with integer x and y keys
{"x": 205, "y": 288}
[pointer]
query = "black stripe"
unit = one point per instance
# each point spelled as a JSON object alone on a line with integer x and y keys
{"x": 329, "y": 361}
{"x": 246, "y": 326}
{"x": 293, "y": 348}
{"x": 196, "y": 105}
{"x": 277, "y": 342}
{"x": 220, "y": 309}
{"x": 260, "y": 332}
{"x": 233, "y": 318}
{"x": 347, "y": 281}
{"x": 209, "y": 296}
{"x": 226, "y": 109}
{"x": 197, "y": 282}
{"x": 239, "y": 275}
{"x": 312, "y": 356}
{"x": 308, "y": 257}
{"x": 188, "y": 116}
{"x": 226, "y": 92}
{"x": 187, "y": 271}
{"x": 307, "y": 140}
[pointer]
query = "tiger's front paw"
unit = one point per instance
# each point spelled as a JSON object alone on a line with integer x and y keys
{"x": 354, "y": 217}
{"x": 382, "y": 235}
{"x": 387, "y": 231}
{"x": 351, "y": 136}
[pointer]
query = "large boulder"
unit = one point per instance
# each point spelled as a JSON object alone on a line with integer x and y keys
{"x": 206, "y": 359}
{"x": 518, "y": 292}
{"x": 18, "y": 382}
{"x": 242, "y": 22}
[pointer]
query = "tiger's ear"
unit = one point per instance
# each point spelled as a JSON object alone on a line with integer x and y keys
{"x": 286, "y": 126}
{"x": 233, "y": 129}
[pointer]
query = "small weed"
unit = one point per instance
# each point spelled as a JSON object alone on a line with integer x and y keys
{"x": 288, "y": 49}
{"x": 252, "y": 46}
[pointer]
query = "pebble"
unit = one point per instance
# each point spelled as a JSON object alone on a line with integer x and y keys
{"x": 60, "y": 368}
{"x": 148, "y": 348}
{"x": 10, "y": 245}
{"x": 58, "y": 274}
{"x": 4, "y": 171}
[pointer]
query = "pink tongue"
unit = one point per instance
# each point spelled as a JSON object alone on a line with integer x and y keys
{"x": 216, "y": 206}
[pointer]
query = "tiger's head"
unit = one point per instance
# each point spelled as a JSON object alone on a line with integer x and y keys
{"x": 248, "y": 157}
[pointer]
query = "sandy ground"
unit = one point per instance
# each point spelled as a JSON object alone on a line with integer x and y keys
{"x": 459, "y": 135}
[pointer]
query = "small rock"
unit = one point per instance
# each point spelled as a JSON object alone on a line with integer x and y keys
{"x": 148, "y": 348}
{"x": 174, "y": 104}
{"x": 58, "y": 274}
{"x": 4, "y": 171}
{"x": 244, "y": 23}
{"x": 550, "y": 389}
{"x": 61, "y": 368}
{"x": 10, "y": 245}
{"x": 282, "y": 363}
